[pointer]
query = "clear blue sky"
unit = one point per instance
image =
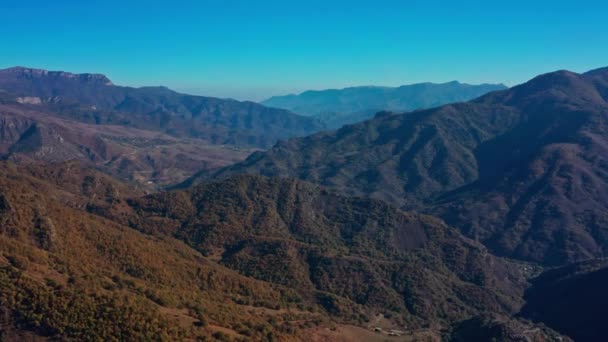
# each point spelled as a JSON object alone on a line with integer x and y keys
{"x": 254, "y": 49}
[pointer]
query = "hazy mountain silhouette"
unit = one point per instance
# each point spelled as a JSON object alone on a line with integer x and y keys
{"x": 338, "y": 107}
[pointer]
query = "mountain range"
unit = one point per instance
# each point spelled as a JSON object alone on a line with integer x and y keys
{"x": 151, "y": 135}
{"x": 472, "y": 221}
{"x": 338, "y": 107}
{"x": 93, "y": 98}
{"x": 524, "y": 170}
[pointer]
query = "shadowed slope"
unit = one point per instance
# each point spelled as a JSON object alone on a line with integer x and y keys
{"x": 572, "y": 300}
{"x": 338, "y": 107}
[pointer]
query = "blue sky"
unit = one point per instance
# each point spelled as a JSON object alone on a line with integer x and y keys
{"x": 257, "y": 48}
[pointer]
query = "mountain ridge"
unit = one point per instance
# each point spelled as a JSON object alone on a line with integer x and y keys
{"x": 26, "y": 71}
{"x": 92, "y": 98}
{"x": 33, "y": 134}
{"x": 519, "y": 170}
{"x": 520, "y": 145}
{"x": 337, "y": 107}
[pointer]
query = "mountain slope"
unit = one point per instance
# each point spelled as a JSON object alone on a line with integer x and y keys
{"x": 572, "y": 300}
{"x": 147, "y": 158}
{"x": 525, "y": 158}
{"x": 337, "y": 107}
{"x": 92, "y": 98}
{"x": 66, "y": 274}
{"x": 69, "y": 275}
{"x": 545, "y": 198}
{"x": 399, "y": 158}
{"x": 355, "y": 256}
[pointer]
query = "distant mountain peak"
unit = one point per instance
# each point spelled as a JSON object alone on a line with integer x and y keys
{"x": 21, "y": 69}
{"x": 555, "y": 75}
{"x": 561, "y": 85}
{"x": 33, "y": 72}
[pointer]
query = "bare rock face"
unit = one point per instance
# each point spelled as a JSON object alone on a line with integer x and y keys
{"x": 45, "y": 143}
{"x": 29, "y": 100}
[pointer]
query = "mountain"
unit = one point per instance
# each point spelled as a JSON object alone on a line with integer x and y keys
{"x": 517, "y": 180}
{"x": 94, "y": 99}
{"x": 75, "y": 185}
{"x": 545, "y": 198}
{"x": 34, "y": 134}
{"x": 338, "y": 107}
{"x": 68, "y": 275}
{"x": 358, "y": 257}
{"x": 246, "y": 258}
{"x": 524, "y": 170}
{"x": 571, "y": 299}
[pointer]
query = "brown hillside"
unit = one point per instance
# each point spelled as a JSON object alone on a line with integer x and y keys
{"x": 343, "y": 252}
